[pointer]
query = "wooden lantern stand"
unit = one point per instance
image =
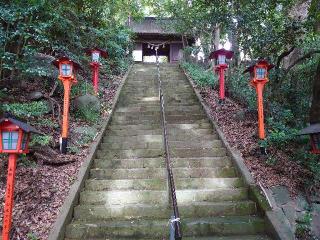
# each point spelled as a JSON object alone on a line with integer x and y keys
{"x": 259, "y": 78}
{"x": 95, "y": 64}
{"x": 14, "y": 140}
{"x": 67, "y": 69}
{"x": 220, "y": 57}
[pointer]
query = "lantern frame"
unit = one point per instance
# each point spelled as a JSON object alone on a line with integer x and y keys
{"x": 95, "y": 56}
{"x": 221, "y": 52}
{"x": 59, "y": 62}
{"x": 221, "y": 59}
{"x": 10, "y": 124}
{"x": 314, "y": 134}
{"x": 102, "y": 53}
{"x": 67, "y": 63}
{"x": 315, "y": 143}
{"x": 260, "y": 64}
{"x": 257, "y": 75}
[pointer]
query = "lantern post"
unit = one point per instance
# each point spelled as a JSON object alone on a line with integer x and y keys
{"x": 14, "y": 140}
{"x": 67, "y": 69}
{"x": 259, "y": 77}
{"x": 220, "y": 57}
{"x": 95, "y": 64}
{"x": 314, "y": 132}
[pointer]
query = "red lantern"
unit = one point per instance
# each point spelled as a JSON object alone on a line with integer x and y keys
{"x": 96, "y": 53}
{"x": 14, "y": 140}
{"x": 314, "y": 132}
{"x": 259, "y": 77}
{"x": 67, "y": 69}
{"x": 221, "y": 65}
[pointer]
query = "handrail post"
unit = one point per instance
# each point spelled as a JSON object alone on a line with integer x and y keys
{"x": 176, "y": 221}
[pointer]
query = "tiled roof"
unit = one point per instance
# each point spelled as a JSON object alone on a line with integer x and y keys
{"x": 152, "y": 25}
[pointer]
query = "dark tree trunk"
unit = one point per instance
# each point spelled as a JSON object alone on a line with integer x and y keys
{"x": 315, "y": 105}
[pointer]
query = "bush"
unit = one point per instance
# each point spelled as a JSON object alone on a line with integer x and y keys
{"x": 309, "y": 161}
{"x": 201, "y": 76}
{"x": 239, "y": 89}
{"x": 40, "y": 140}
{"x": 33, "y": 109}
{"x": 82, "y": 88}
{"x": 88, "y": 114}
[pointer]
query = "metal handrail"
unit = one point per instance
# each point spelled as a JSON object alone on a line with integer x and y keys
{"x": 176, "y": 221}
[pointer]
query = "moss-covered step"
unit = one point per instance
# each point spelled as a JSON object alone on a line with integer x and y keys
{"x": 148, "y": 211}
{"x": 161, "y": 197}
{"x": 160, "y": 184}
{"x": 147, "y": 173}
{"x": 135, "y": 229}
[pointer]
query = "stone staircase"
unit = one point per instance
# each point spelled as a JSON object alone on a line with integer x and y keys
{"x": 126, "y": 195}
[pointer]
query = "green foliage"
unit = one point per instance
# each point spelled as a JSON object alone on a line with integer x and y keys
{"x": 3, "y": 94}
{"x": 303, "y": 229}
{"x": 88, "y": 114}
{"x": 201, "y": 76}
{"x": 280, "y": 132}
{"x": 31, "y": 31}
{"x": 86, "y": 135}
{"x": 26, "y": 162}
{"x": 40, "y": 140}
{"x": 309, "y": 161}
{"x": 271, "y": 160}
{"x": 239, "y": 88}
{"x": 82, "y": 88}
{"x": 32, "y": 236}
{"x": 46, "y": 122}
{"x": 32, "y": 109}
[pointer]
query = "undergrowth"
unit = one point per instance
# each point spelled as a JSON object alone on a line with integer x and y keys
{"x": 24, "y": 110}
{"x": 200, "y": 75}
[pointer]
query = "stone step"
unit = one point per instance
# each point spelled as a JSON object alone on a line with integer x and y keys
{"x": 175, "y": 133}
{"x": 135, "y": 136}
{"x": 231, "y": 226}
{"x": 142, "y": 117}
{"x": 144, "y": 135}
{"x": 152, "y": 104}
{"x": 246, "y": 237}
{"x": 134, "y": 153}
{"x": 157, "y": 109}
{"x": 197, "y": 162}
{"x": 170, "y": 120}
{"x": 154, "y": 92}
{"x": 238, "y": 237}
{"x": 157, "y": 113}
{"x": 151, "y": 153}
{"x": 129, "y": 144}
{"x": 161, "y": 184}
{"x": 158, "y": 126}
{"x": 185, "y": 196}
{"x": 149, "y": 173}
{"x": 153, "y": 133}
{"x": 147, "y": 211}
{"x": 197, "y": 152}
{"x": 134, "y": 127}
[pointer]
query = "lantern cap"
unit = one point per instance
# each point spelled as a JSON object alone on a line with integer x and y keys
{"x": 103, "y": 53}
{"x": 313, "y": 128}
{"x": 222, "y": 51}
{"x": 65, "y": 58}
{"x": 259, "y": 62}
{"x": 24, "y": 126}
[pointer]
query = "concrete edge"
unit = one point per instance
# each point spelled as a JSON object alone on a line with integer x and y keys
{"x": 66, "y": 211}
{"x": 277, "y": 227}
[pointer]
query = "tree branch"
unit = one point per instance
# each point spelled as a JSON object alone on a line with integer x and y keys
{"x": 283, "y": 55}
{"x": 302, "y": 58}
